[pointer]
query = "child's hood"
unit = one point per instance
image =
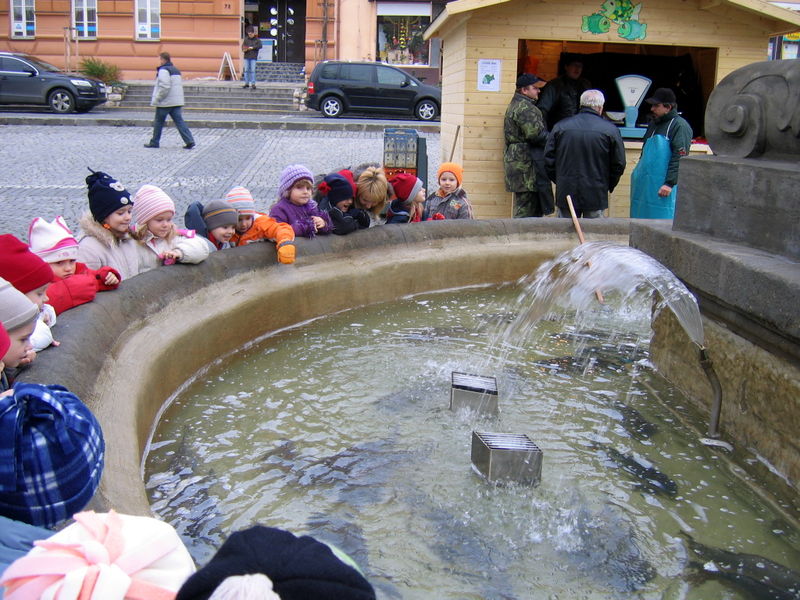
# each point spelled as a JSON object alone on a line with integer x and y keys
{"x": 193, "y": 219}
{"x": 92, "y": 228}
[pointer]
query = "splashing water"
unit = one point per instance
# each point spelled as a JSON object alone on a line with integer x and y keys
{"x": 573, "y": 278}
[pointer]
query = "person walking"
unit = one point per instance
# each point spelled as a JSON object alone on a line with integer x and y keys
{"x": 525, "y": 137}
{"x": 168, "y": 100}
{"x": 585, "y": 157}
{"x": 654, "y": 182}
{"x": 250, "y": 46}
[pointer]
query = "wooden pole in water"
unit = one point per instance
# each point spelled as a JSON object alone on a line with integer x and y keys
{"x": 577, "y": 225}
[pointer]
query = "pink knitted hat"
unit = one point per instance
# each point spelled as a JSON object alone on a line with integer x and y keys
{"x": 291, "y": 175}
{"x": 103, "y": 555}
{"x": 52, "y": 242}
{"x": 242, "y": 200}
{"x": 150, "y": 201}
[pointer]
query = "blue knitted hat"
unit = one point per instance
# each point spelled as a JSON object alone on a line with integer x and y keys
{"x": 335, "y": 188}
{"x": 106, "y": 195}
{"x": 291, "y": 175}
{"x": 51, "y": 454}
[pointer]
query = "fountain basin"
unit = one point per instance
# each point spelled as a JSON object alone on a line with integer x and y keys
{"x": 128, "y": 351}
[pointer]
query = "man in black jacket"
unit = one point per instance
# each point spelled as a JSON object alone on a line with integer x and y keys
{"x": 560, "y": 98}
{"x": 585, "y": 157}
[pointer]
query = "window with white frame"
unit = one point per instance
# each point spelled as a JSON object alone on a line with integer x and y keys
{"x": 23, "y": 19}
{"x": 148, "y": 19}
{"x": 84, "y": 18}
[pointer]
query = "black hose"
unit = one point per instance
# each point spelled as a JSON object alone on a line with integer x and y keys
{"x": 716, "y": 388}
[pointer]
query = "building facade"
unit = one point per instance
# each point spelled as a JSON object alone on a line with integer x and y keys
{"x": 201, "y": 33}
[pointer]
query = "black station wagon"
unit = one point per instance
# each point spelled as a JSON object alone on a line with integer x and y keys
{"x": 25, "y": 79}
{"x": 336, "y": 87}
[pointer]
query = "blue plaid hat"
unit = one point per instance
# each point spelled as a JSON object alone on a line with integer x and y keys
{"x": 51, "y": 454}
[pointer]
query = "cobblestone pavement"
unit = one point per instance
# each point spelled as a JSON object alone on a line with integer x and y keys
{"x": 44, "y": 167}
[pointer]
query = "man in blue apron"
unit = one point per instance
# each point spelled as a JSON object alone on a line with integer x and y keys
{"x": 654, "y": 182}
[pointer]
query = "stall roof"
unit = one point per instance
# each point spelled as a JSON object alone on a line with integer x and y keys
{"x": 785, "y": 20}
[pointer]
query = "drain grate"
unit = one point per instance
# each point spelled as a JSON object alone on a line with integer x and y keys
{"x": 473, "y": 392}
{"x": 507, "y": 457}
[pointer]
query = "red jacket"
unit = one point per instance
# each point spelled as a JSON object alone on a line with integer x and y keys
{"x": 80, "y": 288}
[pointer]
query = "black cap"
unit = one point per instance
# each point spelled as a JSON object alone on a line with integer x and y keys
{"x": 527, "y": 79}
{"x": 663, "y": 96}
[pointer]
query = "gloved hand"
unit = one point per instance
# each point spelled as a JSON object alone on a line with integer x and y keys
{"x": 286, "y": 254}
{"x": 438, "y": 217}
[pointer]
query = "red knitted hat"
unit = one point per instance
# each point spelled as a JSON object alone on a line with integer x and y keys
{"x": 5, "y": 341}
{"x": 406, "y": 186}
{"x": 21, "y": 267}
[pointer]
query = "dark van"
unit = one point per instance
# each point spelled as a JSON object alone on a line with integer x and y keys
{"x": 336, "y": 87}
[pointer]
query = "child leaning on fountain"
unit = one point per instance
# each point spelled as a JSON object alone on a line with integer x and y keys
{"x": 215, "y": 221}
{"x": 450, "y": 200}
{"x": 160, "y": 242}
{"x": 255, "y": 227}
{"x": 295, "y": 206}
{"x": 73, "y": 283}
{"x": 106, "y": 239}
{"x": 32, "y": 276}
{"x": 406, "y": 207}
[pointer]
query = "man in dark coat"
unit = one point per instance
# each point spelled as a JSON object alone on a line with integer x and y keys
{"x": 585, "y": 157}
{"x": 561, "y": 97}
{"x": 525, "y": 136}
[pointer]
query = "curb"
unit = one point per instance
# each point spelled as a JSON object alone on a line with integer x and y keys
{"x": 215, "y": 123}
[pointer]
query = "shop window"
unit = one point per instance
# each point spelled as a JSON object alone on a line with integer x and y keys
{"x": 400, "y": 40}
{"x": 148, "y": 19}
{"x": 23, "y": 19}
{"x": 84, "y": 15}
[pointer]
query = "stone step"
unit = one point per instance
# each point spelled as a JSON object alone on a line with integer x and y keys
{"x": 202, "y": 105}
{"x": 223, "y": 96}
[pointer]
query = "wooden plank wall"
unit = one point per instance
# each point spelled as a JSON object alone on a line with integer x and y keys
{"x": 735, "y": 37}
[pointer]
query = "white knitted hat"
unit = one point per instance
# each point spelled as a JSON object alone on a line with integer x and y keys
{"x": 150, "y": 201}
{"x": 52, "y": 242}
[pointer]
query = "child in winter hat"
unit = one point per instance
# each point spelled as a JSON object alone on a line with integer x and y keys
{"x": 279, "y": 565}
{"x": 215, "y": 221}
{"x": 450, "y": 200}
{"x": 106, "y": 195}
{"x": 103, "y": 555}
{"x": 18, "y": 316}
{"x": 159, "y": 238}
{"x": 72, "y": 282}
{"x": 295, "y": 205}
{"x": 337, "y": 199}
{"x": 408, "y": 205}
{"x": 52, "y": 449}
{"x": 106, "y": 240}
{"x": 254, "y": 227}
{"x": 31, "y": 276}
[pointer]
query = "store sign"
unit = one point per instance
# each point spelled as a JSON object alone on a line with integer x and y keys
{"x": 622, "y": 13}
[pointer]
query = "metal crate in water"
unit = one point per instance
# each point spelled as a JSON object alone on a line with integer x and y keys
{"x": 507, "y": 457}
{"x": 473, "y": 392}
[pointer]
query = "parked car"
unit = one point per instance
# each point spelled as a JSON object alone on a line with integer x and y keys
{"x": 336, "y": 87}
{"x": 25, "y": 79}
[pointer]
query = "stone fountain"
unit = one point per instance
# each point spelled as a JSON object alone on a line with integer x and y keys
{"x": 735, "y": 243}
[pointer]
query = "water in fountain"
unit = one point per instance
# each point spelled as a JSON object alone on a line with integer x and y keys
{"x": 573, "y": 279}
{"x": 340, "y": 428}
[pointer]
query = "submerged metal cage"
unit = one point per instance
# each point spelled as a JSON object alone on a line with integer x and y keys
{"x": 473, "y": 392}
{"x": 507, "y": 457}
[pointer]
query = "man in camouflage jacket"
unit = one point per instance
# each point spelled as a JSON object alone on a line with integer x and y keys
{"x": 525, "y": 137}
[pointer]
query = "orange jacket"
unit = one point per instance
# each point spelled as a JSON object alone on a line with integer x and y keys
{"x": 265, "y": 227}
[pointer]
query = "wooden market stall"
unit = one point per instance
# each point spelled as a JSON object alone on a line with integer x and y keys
{"x": 688, "y": 45}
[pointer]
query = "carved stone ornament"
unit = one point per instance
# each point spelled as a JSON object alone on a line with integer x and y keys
{"x": 755, "y": 112}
